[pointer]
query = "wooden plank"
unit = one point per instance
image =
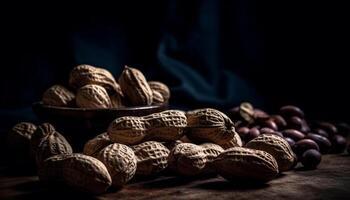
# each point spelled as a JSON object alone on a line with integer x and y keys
{"x": 330, "y": 181}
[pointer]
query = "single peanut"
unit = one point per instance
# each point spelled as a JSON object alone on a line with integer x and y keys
{"x": 161, "y": 88}
{"x": 278, "y": 147}
{"x": 79, "y": 171}
{"x": 93, "y": 96}
{"x": 210, "y": 125}
{"x": 120, "y": 161}
{"x": 189, "y": 159}
{"x": 52, "y": 144}
{"x": 151, "y": 156}
{"x": 58, "y": 95}
{"x": 83, "y": 75}
{"x": 246, "y": 110}
{"x": 18, "y": 142}
{"x": 135, "y": 87}
{"x": 95, "y": 145}
{"x": 164, "y": 126}
{"x": 243, "y": 164}
{"x": 157, "y": 98}
{"x": 42, "y": 131}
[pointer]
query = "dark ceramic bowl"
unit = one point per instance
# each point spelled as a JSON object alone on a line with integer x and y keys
{"x": 80, "y": 124}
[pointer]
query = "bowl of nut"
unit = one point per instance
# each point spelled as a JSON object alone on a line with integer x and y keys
{"x": 93, "y": 98}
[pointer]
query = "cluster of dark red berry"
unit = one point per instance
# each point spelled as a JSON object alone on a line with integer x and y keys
{"x": 308, "y": 139}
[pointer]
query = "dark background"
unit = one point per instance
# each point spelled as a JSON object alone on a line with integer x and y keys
{"x": 211, "y": 53}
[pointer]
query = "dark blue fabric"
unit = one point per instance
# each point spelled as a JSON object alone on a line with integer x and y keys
{"x": 211, "y": 53}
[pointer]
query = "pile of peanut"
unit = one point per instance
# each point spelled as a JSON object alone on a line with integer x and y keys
{"x": 193, "y": 143}
{"x": 94, "y": 87}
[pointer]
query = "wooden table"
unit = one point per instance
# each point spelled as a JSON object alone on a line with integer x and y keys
{"x": 330, "y": 181}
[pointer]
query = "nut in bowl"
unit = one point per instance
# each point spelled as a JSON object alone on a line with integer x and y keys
{"x": 93, "y": 98}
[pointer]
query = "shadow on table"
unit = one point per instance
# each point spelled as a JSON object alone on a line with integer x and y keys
{"x": 301, "y": 168}
{"x": 224, "y": 185}
{"x": 37, "y": 190}
{"x": 204, "y": 182}
{"x": 18, "y": 171}
{"x": 174, "y": 181}
{"x": 281, "y": 175}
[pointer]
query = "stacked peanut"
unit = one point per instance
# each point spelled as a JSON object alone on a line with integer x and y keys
{"x": 194, "y": 143}
{"x": 148, "y": 145}
{"x": 94, "y": 87}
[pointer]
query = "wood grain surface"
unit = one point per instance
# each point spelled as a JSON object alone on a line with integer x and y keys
{"x": 330, "y": 181}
